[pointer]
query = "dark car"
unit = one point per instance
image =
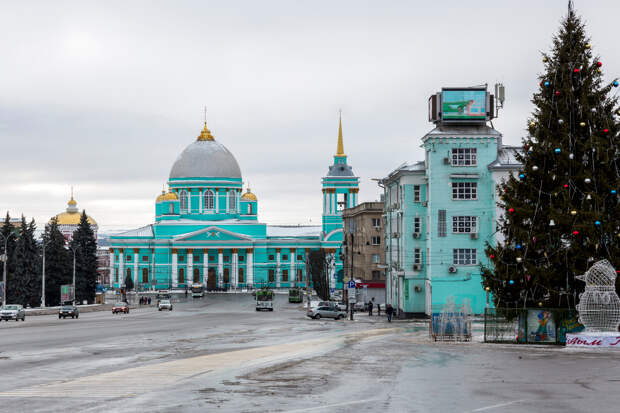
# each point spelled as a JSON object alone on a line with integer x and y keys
{"x": 120, "y": 307}
{"x": 68, "y": 311}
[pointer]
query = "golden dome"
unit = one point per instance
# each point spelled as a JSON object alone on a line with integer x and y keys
{"x": 167, "y": 196}
{"x": 249, "y": 196}
{"x": 73, "y": 218}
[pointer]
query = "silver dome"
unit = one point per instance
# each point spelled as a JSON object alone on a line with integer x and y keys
{"x": 205, "y": 159}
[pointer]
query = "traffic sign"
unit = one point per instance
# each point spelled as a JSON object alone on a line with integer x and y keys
{"x": 331, "y": 290}
{"x": 351, "y": 284}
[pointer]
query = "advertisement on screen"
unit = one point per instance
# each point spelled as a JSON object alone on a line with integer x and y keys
{"x": 464, "y": 104}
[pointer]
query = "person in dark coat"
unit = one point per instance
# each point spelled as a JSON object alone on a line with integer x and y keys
{"x": 369, "y": 307}
{"x": 389, "y": 311}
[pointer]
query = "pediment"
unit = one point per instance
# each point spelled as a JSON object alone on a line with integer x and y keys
{"x": 212, "y": 233}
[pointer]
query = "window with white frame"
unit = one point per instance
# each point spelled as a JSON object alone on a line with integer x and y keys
{"x": 376, "y": 240}
{"x": 376, "y": 259}
{"x": 417, "y": 227}
{"x": 417, "y": 256}
{"x": 232, "y": 201}
{"x": 416, "y": 193}
{"x": 464, "y": 190}
{"x": 464, "y": 256}
{"x": 183, "y": 198}
{"x": 441, "y": 223}
{"x": 463, "y": 156}
{"x": 464, "y": 224}
{"x": 376, "y": 222}
{"x": 209, "y": 200}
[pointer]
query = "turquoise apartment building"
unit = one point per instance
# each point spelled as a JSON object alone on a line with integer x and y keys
{"x": 207, "y": 233}
{"x": 440, "y": 212}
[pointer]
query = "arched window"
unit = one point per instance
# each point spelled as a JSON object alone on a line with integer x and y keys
{"x": 128, "y": 274}
{"x": 183, "y": 201}
{"x": 285, "y": 275}
{"x": 249, "y": 209}
{"x": 196, "y": 276}
{"x": 241, "y": 276}
{"x": 181, "y": 276}
{"x": 171, "y": 208}
{"x": 232, "y": 200}
{"x": 209, "y": 200}
{"x": 226, "y": 275}
{"x": 145, "y": 275}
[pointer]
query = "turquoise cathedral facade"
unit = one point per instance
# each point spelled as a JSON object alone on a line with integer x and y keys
{"x": 207, "y": 233}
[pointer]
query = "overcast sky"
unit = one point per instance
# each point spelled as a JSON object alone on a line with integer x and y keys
{"x": 105, "y": 95}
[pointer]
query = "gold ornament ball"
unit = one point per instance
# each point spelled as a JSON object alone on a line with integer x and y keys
{"x": 545, "y": 59}
{"x": 599, "y": 70}
{"x": 532, "y": 124}
{"x": 487, "y": 289}
{"x": 588, "y": 45}
{"x": 519, "y": 259}
{"x": 582, "y": 124}
{"x": 573, "y": 212}
{"x": 540, "y": 303}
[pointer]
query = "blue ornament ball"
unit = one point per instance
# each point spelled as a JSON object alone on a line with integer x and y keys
{"x": 547, "y": 83}
{"x": 616, "y": 83}
{"x": 511, "y": 282}
{"x": 597, "y": 223}
{"x": 518, "y": 246}
{"x": 557, "y": 150}
{"x": 613, "y": 191}
{"x": 521, "y": 176}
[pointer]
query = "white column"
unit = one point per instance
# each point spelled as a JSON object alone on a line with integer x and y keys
{"x": 201, "y": 206}
{"x": 291, "y": 272}
{"x": 331, "y": 203}
{"x": 136, "y": 261}
{"x": 235, "y": 269}
{"x": 112, "y": 280}
{"x": 205, "y": 267}
{"x": 249, "y": 259}
{"x": 278, "y": 270}
{"x": 220, "y": 268}
{"x": 190, "y": 268}
{"x": 238, "y": 193}
{"x": 217, "y": 200}
{"x": 175, "y": 270}
{"x": 121, "y": 268}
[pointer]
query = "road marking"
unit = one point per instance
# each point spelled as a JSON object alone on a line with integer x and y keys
{"x": 139, "y": 380}
{"x": 495, "y": 406}
{"x": 311, "y": 409}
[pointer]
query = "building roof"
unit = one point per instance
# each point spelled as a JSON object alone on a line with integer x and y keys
{"x": 146, "y": 231}
{"x": 364, "y": 207}
{"x": 340, "y": 170}
{"x": 205, "y": 158}
{"x": 480, "y": 130}
{"x": 506, "y": 158}
{"x": 290, "y": 231}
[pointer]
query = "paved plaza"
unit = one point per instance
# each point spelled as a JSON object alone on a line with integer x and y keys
{"x": 218, "y": 352}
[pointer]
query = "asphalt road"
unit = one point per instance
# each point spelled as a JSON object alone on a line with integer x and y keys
{"x": 218, "y": 352}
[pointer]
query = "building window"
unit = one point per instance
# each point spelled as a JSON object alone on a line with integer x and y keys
{"x": 181, "y": 258}
{"x": 211, "y": 258}
{"x": 226, "y": 275}
{"x": 464, "y": 224}
{"x": 417, "y": 256}
{"x": 300, "y": 257}
{"x": 145, "y": 275}
{"x": 241, "y": 276}
{"x": 241, "y": 258}
{"x": 209, "y": 200}
{"x": 171, "y": 208}
{"x": 271, "y": 258}
{"x": 128, "y": 258}
{"x": 128, "y": 273}
{"x": 441, "y": 223}
{"x": 299, "y": 275}
{"x": 115, "y": 274}
{"x": 416, "y": 193}
{"x": 285, "y": 257}
{"x": 376, "y": 275}
{"x": 181, "y": 275}
{"x": 417, "y": 226}
{"x": 232, "y": 201}
{"x": 376, "y": 240}
{"x": 272, "y": 276}
{"x": 464, "y": 190}
{"x": 196, "y": 276}
{"x": 284, "y": 275}
{"x": 196, "y": 258}
{"x": 463, "y": 156}
{"x": 464, "y": 256}
{"x": 145, "y": 258}
{"x": 183, "y": 201}
{"x": 376, "y": 222}
{"x": 250, "y": 209}
{"x": 376, "y": 258}
{"x": 226, "y": 258}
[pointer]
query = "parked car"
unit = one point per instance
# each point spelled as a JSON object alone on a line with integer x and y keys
{"x": 68, "y": 311}
{"x": 165, "y": 305}
{"x": 120, "y": 307}
{"x": 13, "y": 312}
{"x": 359, "y": 306}
{"x": 325, "y": 311}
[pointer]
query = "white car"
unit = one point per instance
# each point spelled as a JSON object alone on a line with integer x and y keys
{"x": 13, "y": 312}
{"x": 165, "y": 305}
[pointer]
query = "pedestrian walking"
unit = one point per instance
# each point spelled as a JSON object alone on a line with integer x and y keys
{"x": 378, "y": 309}
{"x": 369, "y": 307}
{"x": 389, "y": 310}
{"x": 149, "y": 301}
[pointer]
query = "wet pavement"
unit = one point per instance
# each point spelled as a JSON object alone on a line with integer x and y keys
{"x": 218, "y": 352}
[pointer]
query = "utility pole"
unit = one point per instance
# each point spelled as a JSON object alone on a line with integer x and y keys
{"x": 5, "y": 258}
{"x": 307, "y": 280}
{"x": 43, "y": 279}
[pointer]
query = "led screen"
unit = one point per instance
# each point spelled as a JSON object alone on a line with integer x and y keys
{"x": 465, "y": 104}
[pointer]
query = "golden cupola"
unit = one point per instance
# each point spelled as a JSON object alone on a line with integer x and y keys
{"x": 249, "y": 196}
{"x": 72, "y": 215}
{"x": 167, "y": 196}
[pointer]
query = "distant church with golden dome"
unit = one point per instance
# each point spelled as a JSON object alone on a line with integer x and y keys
{"x": 69, "y": 220}
{"x": 207, "y": 233}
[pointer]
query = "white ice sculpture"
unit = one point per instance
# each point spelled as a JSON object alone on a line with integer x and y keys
{"x": 599, "y": 305}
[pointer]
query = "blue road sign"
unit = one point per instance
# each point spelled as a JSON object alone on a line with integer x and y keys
{"x": 351, "y": 284}
{"x": 331, "y": 290}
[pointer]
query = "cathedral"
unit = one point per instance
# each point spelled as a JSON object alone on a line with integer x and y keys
{"x": 207, "y": 233}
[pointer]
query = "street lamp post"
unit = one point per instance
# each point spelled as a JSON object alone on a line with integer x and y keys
{"x": 43, "y": 279}
{"x": 73, "y": 250}
{"x": 5, "y": 258}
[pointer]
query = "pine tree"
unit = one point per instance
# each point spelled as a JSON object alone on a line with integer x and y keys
{"x": 128, "y": 283}
{"x": 57, "y": 263}
{"x": 319, "y": 266}
{"x": 562, "y": 211}
{"x": 24, "y": 286}
{"x": 9, "y": 234}
{"x": 85, "y": 247}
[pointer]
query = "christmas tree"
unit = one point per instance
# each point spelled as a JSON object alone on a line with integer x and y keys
{"x": 57, "y": 263}
{"x": 562, "y": 211}
{"x": 85, "y": 247}
{"x": 24, "y": 284}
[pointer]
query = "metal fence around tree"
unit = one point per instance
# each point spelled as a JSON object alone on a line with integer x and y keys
{"x": 530, "y": 325}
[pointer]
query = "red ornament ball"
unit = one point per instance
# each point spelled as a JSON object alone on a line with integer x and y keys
{"x": 599, "y": 64}
{"x": 576, "y": 70}
{"x": 557, "y": 93}
{"x": 565, "y": 185}
{"x": 491, "y": 256}
{"x": 575, "y": 232}
{"x": 511, "y": 210}
{"x": 605, "y": 130}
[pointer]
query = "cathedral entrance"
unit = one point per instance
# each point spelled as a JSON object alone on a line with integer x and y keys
{"x": 211, "y": 280}
{"x": 226, "y": 276}
{"x": 196, "y": 276}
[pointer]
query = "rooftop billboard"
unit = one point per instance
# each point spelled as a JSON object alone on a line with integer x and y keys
{"x": 464, "y": 104}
